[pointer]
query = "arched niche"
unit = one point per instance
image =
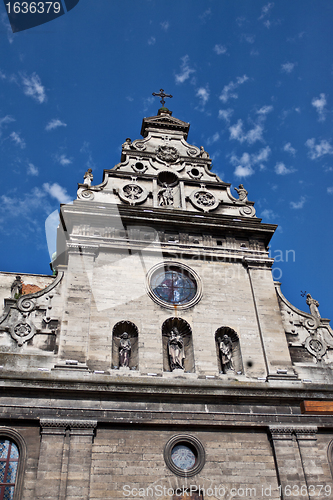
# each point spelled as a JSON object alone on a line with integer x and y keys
{"x": 118, "y": 332}
{"x": 185, "y": 332}
{"x": 236, "y": 351}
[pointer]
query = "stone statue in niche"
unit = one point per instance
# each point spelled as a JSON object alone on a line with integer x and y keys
{"x": 225, "y": 346}
{"x": 313, "y": 305}
{"x": 165, "y": 196}
{"x": 242, "y": 193}
{"x": 203, "y": 153}
{"x": 125, "y": 348}
{"x": 127, "y": 144}
{"x": 16, "y": 288}
{"x": 88, "y": 177}
{"x": 176, "y": 350}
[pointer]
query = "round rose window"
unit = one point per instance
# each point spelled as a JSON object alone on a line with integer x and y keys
{"x": 174, "y": 285}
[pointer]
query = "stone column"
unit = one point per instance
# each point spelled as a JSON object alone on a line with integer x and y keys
{"x": 314, "y": 474}
{"x": 288, "y": 463}
{"x": 50, "y": 459}
{"x": 79, "y": 464}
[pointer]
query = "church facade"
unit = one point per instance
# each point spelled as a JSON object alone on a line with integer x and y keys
{"x": 162, "y": 360}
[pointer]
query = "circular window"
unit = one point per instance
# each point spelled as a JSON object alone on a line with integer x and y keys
{"x": 184, "y": 455}
{"x": 171, "y": 284}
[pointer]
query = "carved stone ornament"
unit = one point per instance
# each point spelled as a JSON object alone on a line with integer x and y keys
{"x": 247, "y": 211}
{"x": 22, "y": 332}
{"x": 315, "y": 347}
{"x": 204, "y": 200}
{"x": 169, "y": 154}
{"x": 193, "y": 152}
{"x": 133, "y": 194}
{"x": 86, "y": 194}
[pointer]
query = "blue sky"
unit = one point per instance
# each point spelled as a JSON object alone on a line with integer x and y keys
{"x": 253, "y": 78}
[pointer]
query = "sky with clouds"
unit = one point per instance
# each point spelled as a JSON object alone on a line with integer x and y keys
{"x": 253, "y": 78}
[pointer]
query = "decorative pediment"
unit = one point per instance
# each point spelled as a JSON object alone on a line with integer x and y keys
{"x": 164, "y": 121}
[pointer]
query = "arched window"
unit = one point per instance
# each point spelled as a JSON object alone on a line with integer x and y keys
{"x": 9, "y": 459}
{"x": 12, "y": 463}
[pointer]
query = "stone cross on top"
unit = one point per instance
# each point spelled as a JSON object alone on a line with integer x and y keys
{"x": 163, "y": 95}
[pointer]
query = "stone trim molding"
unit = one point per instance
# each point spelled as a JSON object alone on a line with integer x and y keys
{"x": 59, "y": 426}
{"x": 330, "y": 455}
{"x": 14, "y": 436}
{"x": 280, "y": 432}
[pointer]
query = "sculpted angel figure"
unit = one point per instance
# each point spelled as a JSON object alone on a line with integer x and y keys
{"x": 203, "y": 153}
{"x": 176, "y": 350}
{"x": 242, "y": 193}
{"x": 125, "y": 348}
{"x": 225, "y": 345}
{"x": 88, "y": 177}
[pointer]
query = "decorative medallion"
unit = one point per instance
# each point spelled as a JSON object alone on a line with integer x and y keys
{"x": 204, "y": 200}
{"x": 315, "y": 347}
{"x": 133, "y": 194}
{"x": 193, "y": 152}
{"x": 247, "y": 211}
{"x": 22, "y": 332}
{"x": 195, "y": 173}
{"x": 172, "y": 284}
{"x": 169, "y": 154}
{"x": 184, "y": 455}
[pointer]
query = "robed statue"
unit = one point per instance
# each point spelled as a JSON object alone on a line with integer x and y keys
{"x": 176, "y": 350}
{"x": 225, "y": 346}
{"x": 125, "y": 348}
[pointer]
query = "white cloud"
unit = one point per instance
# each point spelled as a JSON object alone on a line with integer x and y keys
{"x": 55, "y": 123}
{"x": 225, "y": 114}
{"x": 251, "y": 136}
{"x": 228, "y": 90}
{"x": 319, "y": 104}
{"x": 213, "y": 139}
{"x": 330, "y": 190}
{"x": 265, "y": 110}
{"x": 33, "y": 87}
{"x": 2, "y": 75}
{"x": 240, "y": 21}
{"x": 32, "y": 170}
{"x": 244, "y": 164}
{"x": 4, "y": 121}
{"x": 205, "y": 15}
{"x": 299, "y": 204}
{"x": 289, "y": 149}
{"x": 243, "y": 171}
{"x": 147, "y": 102}
{"x": 63, "y": 160}
{"x": 318, "y": 150}
{"x": 6, "y": 24}
{"x": 267, "y": 23}
{"x": 281, "y": 169}
{"x": 18, "y": 140}
{"x": 248, "y": 38}
{"x": 165, "y": 25}
{"x": 287, "y": 67}
{"x": 57, "y": 192}
{"x": 268, "y": 214}
{"x": 185, "y": 70}
{"x": 262, "y": 155}
{"x": 203, "y": 94}
{"x": 151, "y": 40}
{"x": 266, "y": 9}
{"x": 254, "y": 52}
{"x": 220, "y": 49}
